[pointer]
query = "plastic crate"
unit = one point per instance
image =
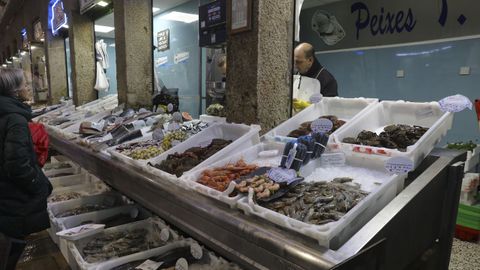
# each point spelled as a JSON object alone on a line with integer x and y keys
{"x": 84, "y": 190}
{"x": 155, "y": 226}
{"x": 332, "y": 235}
{"x": 467, "y": 234}
{"x": 397, "y": 112}
{"x": 250, "y": 156}
{"x": 243, "y": 136}
{"x": 70, "y": 180}
{"x": 345, "y": 109}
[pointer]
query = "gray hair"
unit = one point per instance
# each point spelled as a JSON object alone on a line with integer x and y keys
{"x": 11, "y": 80}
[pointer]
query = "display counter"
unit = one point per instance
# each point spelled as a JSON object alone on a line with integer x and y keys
{"x": 414, "y": 231}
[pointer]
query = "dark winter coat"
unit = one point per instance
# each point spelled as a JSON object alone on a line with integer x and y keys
{"x": 23, "y": 186}
{"x": 328, "y": 83}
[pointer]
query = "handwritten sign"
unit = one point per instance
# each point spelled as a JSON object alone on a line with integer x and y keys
{"x": 322, "y": 125}
{"x": 163, "y": 40}
{"x": 399, "y": 165}
{"x": 281, "y": 175}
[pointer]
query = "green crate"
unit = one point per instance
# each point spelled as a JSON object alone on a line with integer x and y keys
{"x": 469, "y": 216}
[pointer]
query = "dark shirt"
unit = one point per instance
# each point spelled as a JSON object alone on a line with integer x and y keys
{"x": 327, "y": 81}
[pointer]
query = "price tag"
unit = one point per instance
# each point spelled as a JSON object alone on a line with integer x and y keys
{"x": 291, "y": 156}
{"x": 315, "y": 98}
{"x": 106, "y": 138}
{"x": 165, "y": 234}
{"x": 321, "y": 125}
{"x": 455, "y": 103}
{"x": 399, "y": 165}
{"x": 158, "y": 134}
{"x": 170, "y": 107}
{"x": 335, "y": 159}
{"x": 196, "y": 250}
{"x": 282, "y": 175}
{"x": 149, "y": 265}
{"x": 173, "y": 126}
{"x": 181, "y": 264}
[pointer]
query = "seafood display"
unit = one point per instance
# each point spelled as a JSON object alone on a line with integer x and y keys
{"x": 117, "y": 244}
{"x": 172, "y": 138}
{"x": 113, "y": 221}
{"x": 262, "y": 185}
{"x": 60, "y": 175}
{"x": 305, "y": 128}
{"x": 57, "y": 166}
{"x": 82, "y": 209}
{"x": 220, "y": 178}
{"x": 318, "y": 202}
{"x": 141, "y": 150}
{"x": 392, "y": 137}
{"x": 193, "y": 127}
{"x": 216, "y": 110}
{"x": 64, "y": 197}
{"x": 179, "y": 163}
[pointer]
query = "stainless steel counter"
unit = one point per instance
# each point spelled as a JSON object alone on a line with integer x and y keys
{"x": 403, "y": 234}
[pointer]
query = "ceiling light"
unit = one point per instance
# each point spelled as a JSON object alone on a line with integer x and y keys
{"x": 65, "y": 26}
{"x": 180, "y": 17}
{"x": 4, "y": 65}
{"x": 102, "y": 3}
{"x": 154, "y": 9}
{"x": 33, "y": 47}
{"x": 112, "y": 45}
{"x": 42, "y": 39}
{"x": 103, "y": 28}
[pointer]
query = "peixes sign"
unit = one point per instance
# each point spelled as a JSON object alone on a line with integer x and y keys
{"x": 163, "y": 40}
{"x": 383, "y": 22}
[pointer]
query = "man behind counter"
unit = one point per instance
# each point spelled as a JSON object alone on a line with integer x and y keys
{"x": 307, "y": 65}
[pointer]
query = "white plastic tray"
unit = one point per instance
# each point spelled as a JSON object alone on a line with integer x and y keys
{"x": 70, "y": 180}
{"x": 243, "y": 136}
{"x": 211, "y": 119}
{"x": 382, "y": 188}
{"x": 345, "y": 109}
{"x": 387, "y": 113}
{"x": 153, "y": 225}
{"x": 216, "y": 263}
{"x": 250, "y": 156}
{"x": 83, "y": 189}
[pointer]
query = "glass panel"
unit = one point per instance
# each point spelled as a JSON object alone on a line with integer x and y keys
{"x": 105, "y": 51}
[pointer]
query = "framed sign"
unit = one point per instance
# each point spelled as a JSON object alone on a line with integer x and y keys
{"x": 59, "y": 17}
{"x": 163, "y": 40}
{"x": 239, "y": 16}
{"x": 38, "y": 34}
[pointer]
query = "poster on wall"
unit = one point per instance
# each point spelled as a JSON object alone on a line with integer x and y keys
{"x": 163, "y": 40}
{"x": 38, "y": 34}
{"x": 240, "y": 15}
{"x": 353, "y": 23}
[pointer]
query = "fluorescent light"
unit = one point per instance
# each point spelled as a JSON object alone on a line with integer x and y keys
{"x": 42, "y": 39}
{"x": 33, "y": 47}
{"x": 180, "y": 17}
{"x": 155, "y": 9}
{"x": 102, "y": 3}
{"x": 103, "y": 28}
{"x": 65, "y": 26}
{"x": 112, "y": 45}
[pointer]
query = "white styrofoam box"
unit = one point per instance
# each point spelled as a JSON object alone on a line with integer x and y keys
{"x": 473, "y": 160}
{"x": 215, "y": 263}
{"x": 345, "y": 109}
{"x": 243, "y": 136}
{"x": 124, "y": 158}
{"x": 96, "y": 218}
{"x": 70, "y": 180}
{"x": 212, "y": 119}
{"x": 154, "y": 226}
{"x": 382, "y": 187}
{"x": 250, "y": 156}
{"x": 74, "y": 129}
{"x": 84, "y": 190}
{"x": 386, "y": 113}
{"x": 110, "y": 199}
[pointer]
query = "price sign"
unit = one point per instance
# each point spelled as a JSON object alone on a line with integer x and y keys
{"x": 333, "y": 159}
{"x": 182, "y": 264}
{"x": 455, "y": 103}
{"x": 321, "y": 125}
{"x": 291, "y": 156}
{"x": 399, "y": 165}
{"x": 282, "y": 175}
{"x": 163, "y": 40}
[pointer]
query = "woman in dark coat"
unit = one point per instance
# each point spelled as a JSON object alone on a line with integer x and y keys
{"x": 23, "y": 186}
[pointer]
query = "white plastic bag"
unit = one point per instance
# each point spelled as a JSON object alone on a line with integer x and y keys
{"x": 102, "y": 82}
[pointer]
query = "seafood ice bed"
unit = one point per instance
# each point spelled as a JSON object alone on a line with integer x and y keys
{"x": 120, "y": 241}
{"x": 76, "y": 192}
{"x": 331, "y": 204}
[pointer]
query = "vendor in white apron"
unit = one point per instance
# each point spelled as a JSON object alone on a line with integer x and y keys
{"x": 312, "y": 81}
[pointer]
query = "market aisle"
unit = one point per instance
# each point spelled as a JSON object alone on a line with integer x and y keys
{"x": 465, "y": 256}
{"x": 41, "y": 253}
